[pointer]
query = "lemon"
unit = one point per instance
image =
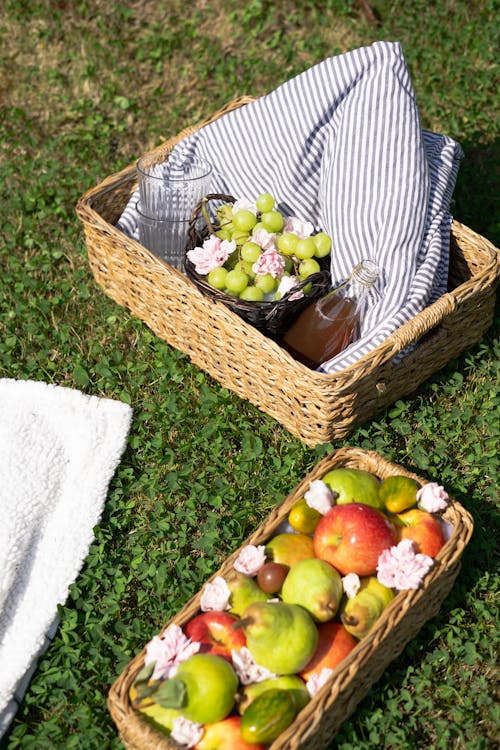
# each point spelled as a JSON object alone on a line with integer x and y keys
{"x": 398, "y": 493}
{"x": 303, "y": 518}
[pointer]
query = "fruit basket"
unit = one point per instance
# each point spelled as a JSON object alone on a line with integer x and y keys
{"x": 313, "y": 406}
{"x": 317, "y": 723}
{"x": 271, "y": 317}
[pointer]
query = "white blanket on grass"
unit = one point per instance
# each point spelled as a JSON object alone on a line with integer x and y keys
{"x": 58, "y": 452}
{"x": 342, "y": 146}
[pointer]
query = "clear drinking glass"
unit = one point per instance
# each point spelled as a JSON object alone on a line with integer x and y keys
{"x": 165, "y": 238}
{"x": 169, "y": 189}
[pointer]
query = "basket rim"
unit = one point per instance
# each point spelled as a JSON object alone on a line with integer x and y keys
{"x": 447, "y": 559}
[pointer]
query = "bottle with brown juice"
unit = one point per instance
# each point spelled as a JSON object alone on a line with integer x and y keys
{"x": 330, "y": 324}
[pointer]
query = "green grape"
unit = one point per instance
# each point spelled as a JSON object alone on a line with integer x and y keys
{"x": 224, "y": 234}
{"x": 236, "y": 281}
{"x": 225, "y": 213}
{"x": 244, "y": 220}
{"x": 273, "y": 221}
{"x": 251, "y": 251}
{"x": 307, "y": 267}
{"x": 252, "y": 294}
{"x": 323, "y": 244}
{"x": 217, "y": 277}
{"x": 258, "y": 226}
{"x": 265, "y": 202}
{"x": 287, "y": 243}
{"x": 240, "y": 237}
{"x": 246, "y": 267}
{"x": 266, "y": 282}
{"x": 305, "y": 249}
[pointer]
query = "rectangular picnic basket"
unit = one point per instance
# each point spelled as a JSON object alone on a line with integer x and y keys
{"x": 313, "y": 406}
{"x": 320, "y": 720}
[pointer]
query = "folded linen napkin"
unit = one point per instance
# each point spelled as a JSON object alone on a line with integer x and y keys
{"x": 59, "y": 450}
{"x": 341, "y": 145}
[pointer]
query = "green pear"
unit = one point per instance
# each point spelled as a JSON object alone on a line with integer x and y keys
{"x": 354, "y": 486}
{"x": 285, "y": 682}
{"x": 281, "y": 637}
{"x": 244, "y": 591}
{"x": 315, "y": 585}
{"x": 202, "y": 690}
{"x": 360, "y": 613}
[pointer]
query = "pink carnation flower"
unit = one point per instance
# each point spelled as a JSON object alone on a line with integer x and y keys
{"x": 250, "y": 560}
{"x": 287, "y": 283}
{"x": 168, "y": 651}
{"x": 316, "y": 681}
{"x": 215, "y": 596}
{"x": 247, "y": 669}
{"x": 212, "y": 254}
{"x": 400, "y": 567}
{"x": 319, "y": 496}
{"x": 185, "y": 732}
{"x": 264, "y": 239}
{"x": 432, "y": 498}
{"x": 269, "y": 262}
{"x": 302, "y": 229}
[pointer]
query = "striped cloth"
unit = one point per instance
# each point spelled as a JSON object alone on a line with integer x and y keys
{"x": 341, "y": 145}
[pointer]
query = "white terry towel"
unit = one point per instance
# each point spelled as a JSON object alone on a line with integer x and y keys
{"x": 58, "y": 452}
{"x": 341, "y": 145}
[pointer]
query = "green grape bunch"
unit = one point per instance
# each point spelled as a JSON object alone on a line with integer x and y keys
{"x": 258, "y": 254}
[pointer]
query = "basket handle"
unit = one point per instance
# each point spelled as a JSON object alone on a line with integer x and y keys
{"x": 422, "y": 323}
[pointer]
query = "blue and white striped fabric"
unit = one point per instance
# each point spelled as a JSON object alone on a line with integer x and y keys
{"x": 341, "y": 145}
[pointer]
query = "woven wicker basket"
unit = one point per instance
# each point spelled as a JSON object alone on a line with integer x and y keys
{"x": 319, "y": 721}
{"x": 273, "y": 318}
{"x": 313, "y": 406}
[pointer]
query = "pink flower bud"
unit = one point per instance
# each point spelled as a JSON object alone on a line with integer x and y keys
{"x": 185, "y": 732}
{"x": 250, "y": 560}
{"x": 400, "y": 567}
{"x": 247, "y": 669}
{"x": 319, "y": 496}
{"x": 215, "y": 596}
{"x": 316, "y": 681}
{"x": 432, "y": 498}
{"x": 351, "y": 585}
{"x": 212, "y": 254}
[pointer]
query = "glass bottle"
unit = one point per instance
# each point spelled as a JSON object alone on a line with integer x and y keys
{"x": 330, "y": 324}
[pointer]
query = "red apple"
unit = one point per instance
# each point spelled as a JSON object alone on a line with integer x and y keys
{"x": 333, "y": 646}
{"x": 423, "y": 529}
{"x": 351, "y": 537}
{"x": 214, "y": 630}
{"x": 225, "y": 735}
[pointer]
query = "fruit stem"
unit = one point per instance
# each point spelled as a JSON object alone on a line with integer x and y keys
{"x": 242, "y": 623}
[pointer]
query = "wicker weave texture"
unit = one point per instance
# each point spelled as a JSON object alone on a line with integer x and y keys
{"x": 314, "y": 407}
{"x": 319, "y": 721}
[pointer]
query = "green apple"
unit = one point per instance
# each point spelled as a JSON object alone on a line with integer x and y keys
{"x": 202, "y": 690}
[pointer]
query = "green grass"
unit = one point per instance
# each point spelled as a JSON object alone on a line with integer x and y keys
{"x": 85, "y": 88}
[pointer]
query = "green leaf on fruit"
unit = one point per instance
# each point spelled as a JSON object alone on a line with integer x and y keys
{"x": 171, "y": 694}
{"x": 144, "y": 675}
